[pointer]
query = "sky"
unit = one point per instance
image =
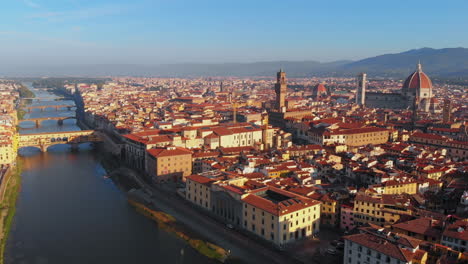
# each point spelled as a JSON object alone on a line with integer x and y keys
{"x": 217, "y": 31}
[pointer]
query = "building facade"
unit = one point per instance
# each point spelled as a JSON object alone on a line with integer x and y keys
{"x": 280, "y": 217}
{"x": 168, "y": 164}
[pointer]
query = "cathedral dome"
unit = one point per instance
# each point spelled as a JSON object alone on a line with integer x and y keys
{"x": 319, "y": 90}
{"x": 417, "y": 80}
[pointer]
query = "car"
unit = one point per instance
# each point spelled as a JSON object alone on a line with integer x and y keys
{"x": 230, "y": 226}
{"x": 331, "y": 251}
{"x": 340, "y": 245}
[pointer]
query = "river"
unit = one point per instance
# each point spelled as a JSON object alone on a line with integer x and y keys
{"x": 67, "y": 212}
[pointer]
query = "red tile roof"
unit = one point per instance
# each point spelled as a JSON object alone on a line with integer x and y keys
{"x": 293, "y": 204}
{"x": 385, "y": 245}
{"x": 170, "y": 151}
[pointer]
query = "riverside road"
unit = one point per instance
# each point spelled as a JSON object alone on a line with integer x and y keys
{"x": 248, "y": 248}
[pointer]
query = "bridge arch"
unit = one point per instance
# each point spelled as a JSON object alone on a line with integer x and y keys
{"x": 44, "y": 140}
{"x": 27, "y": 150}
{"x": 38, "y": 121}
{"x": 60, "y": 121}
{"x": 26, "y": 121}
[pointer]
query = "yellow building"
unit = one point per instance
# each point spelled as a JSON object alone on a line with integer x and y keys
{"x": 280, "y": 216}
{"x": 396, "y": 187}
{"x": 330, "y": 213}
{"x": 430, "y": 172}
{"x": 8, "y": 148}
{"x": 380, "y": 210}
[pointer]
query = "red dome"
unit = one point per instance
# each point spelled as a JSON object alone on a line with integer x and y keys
{"x": 319, "y": 90}
{"x": 417, "y": 80}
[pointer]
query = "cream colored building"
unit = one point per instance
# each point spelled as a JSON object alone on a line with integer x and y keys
{"x": 198, "y": 190}
{"x": 233, "y": 137}
{"x": 350, "y": 137}
{"x": 280, "y": 216}
{"x": 7, "y": 152}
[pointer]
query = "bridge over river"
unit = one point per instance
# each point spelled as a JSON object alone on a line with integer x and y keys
{"x": 43, "y": 107}
{"x": 45, "y": 140}
{"x": 48, "y": 98}
{"x": 38, "y": 120}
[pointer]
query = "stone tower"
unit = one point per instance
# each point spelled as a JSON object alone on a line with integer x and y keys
{"x": 447, "y": 111}
{"x": 361, "y": 89}
{"x": 281, "y": 89}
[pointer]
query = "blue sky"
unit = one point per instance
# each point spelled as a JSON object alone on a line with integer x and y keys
{"x": 173, "y": 31}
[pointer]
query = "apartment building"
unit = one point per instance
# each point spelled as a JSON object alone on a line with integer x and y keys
{"x": 8, "y": 147}
{"x": 378, "y": 246}
{"x": 455, "y": 235}
{"x": 198, "y": 190}
{"x": 380, "y": 210}
{"x": 168, "y": 164}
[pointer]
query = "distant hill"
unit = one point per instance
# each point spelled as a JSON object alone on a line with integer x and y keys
{"x": 294, "y": 69}
{"x": 446, "y": 63}
{"x": 449, "y": 62}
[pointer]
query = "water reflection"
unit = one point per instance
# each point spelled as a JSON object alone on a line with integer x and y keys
{"x": 67, "y": 212}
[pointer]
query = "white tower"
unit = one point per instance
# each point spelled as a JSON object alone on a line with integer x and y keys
{"x": 361, "y": 89}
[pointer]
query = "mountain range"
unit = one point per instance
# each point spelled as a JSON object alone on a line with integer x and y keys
{"x": 444, "y": 63}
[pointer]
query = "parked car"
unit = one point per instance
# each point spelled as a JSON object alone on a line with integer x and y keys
{"x": 331, "y": 251}
{"x": 230, "y": 226}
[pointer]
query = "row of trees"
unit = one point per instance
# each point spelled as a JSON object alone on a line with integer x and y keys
{"x": 25, "y": 92}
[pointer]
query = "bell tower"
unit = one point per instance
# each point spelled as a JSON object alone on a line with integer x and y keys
{"x": 281, "y": 89}
{"x": 361, "y": 89}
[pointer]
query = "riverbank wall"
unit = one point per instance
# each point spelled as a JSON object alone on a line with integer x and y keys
{"x": 11, "y": 186}
{"x": 169, "y": 224}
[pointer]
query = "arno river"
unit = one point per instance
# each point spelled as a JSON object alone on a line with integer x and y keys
{"x": 67, "y": 212}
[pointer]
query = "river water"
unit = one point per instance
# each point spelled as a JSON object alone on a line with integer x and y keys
{"x": 67, "y": 212}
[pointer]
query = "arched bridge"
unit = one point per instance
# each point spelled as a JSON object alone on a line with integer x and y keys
{"x": 45, "y": 140}
{"x": 43, "y": 107}
{"x": 49, "y": 98}
{"x": 38, "y": 120}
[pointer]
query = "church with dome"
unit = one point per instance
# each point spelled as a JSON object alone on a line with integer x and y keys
{"x": 416, "y": 92}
